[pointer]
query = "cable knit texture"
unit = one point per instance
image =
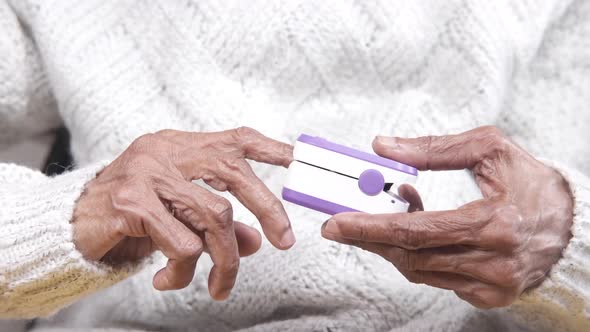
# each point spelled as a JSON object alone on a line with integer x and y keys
{"x": 41, "y": 268}
{"x": 112, "y": 70}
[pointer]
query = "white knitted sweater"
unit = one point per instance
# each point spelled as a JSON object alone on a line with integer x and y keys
{"x": 346, "y": 70}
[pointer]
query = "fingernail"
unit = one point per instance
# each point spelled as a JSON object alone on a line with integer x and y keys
{"x": 288, "y": 239}
{"x": 388, "y": 141}
{"x": 325, "y": 234}
{"x": 331, "y": 227}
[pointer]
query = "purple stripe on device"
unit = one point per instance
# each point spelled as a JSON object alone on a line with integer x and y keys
{"x": 322, "y": 143}
{"x": 314, "y": 203}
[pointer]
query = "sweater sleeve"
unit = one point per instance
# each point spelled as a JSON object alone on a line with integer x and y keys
{"x": 40, "y": 269}
{"x": 27, "y": 105}
{"x": 562, "y": 301}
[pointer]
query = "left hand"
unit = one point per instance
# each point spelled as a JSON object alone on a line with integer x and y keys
{"x": 488, "y": 251}
{"x": 145, "y": 201}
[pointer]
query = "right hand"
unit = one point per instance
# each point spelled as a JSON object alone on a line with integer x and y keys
{"x": 145, "y": 201}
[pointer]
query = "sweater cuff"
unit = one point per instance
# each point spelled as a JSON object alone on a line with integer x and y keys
{"x": 565, "y": 293}
{"x": 42, "y": 271}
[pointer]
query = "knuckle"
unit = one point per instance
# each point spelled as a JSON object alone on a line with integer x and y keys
{"x": 123, "y": 194}
{"x": 222, "y": 212}
{"x": 492, "y": 131}
{"x": 146, "y": 137}
{"x": 506, "y": 220}
{"x": 143, "y": 142}
{"x": 119, "y": 227}
{"x": 244, "y": 133}
{"x": 189, "y": 214}
{"x": 127, "y": 192}
{"x": 190, "y": 250}
{"x": 411, "y": 234}
{"x": 510, "y": 274}
{"x": 510, "y": 240}
{"x": 233, "y": 164}
{"x": 166, "y": 132}
{"x": 364, "y": 233}
{"x": 486, "y": 168}
{"x": 495, "y": 139}
{"x": 273, "y": 206}
{"x": 427, "y": 142}
{"x": 227, "y": 168}
{"x": 403, "y": 259}
{"x": 426, "y": 145}
{"x": 494, "y": 134}
{"x": 216, "y": 184}
{"x": 140, "y": 161}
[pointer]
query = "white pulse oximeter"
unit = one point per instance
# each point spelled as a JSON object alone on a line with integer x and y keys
{"x": 332, "y": 178}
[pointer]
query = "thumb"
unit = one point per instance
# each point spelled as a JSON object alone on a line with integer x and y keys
{"x": 448, "y": 152}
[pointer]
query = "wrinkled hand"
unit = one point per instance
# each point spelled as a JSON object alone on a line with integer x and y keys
{"x": 488, "y": 251}
{"x": 145, "y": 201}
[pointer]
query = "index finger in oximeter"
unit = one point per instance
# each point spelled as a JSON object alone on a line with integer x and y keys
{"x": 333, "y": 178}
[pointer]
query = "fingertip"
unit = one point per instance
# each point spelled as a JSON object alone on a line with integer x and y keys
{"x": 283, "y": 237}
{"x": 249, "y": 239}
{"x": 174, "y": 276}
{"x": 217, "y": 290}
{"x": 256, "y": 242}
{"x": 330, "y": 227}
{"x": 280, "y": 235}
{"x": 155, "y": 283}
{"x": 287, "y": 241}
{"x": 411, "y": 195}
{"x": 384, "y": 144}
{"x": 377, "y": 145}
{"x": 326, "y": 234}
{"x": 219, "y": 296}
{"x": 160, "y": 281}
{"x": 407, "y": 192}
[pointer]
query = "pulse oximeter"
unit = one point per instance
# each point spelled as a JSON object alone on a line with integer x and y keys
{"x": 333, "y": 178}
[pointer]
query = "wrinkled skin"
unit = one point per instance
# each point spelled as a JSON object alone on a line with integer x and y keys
{"x": 488, "y": 251}
{"x": 145, "y": 201}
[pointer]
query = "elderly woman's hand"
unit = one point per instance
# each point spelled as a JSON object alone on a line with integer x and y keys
{"x": 488, "y": 251}
{"x": 145, "y": 201}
